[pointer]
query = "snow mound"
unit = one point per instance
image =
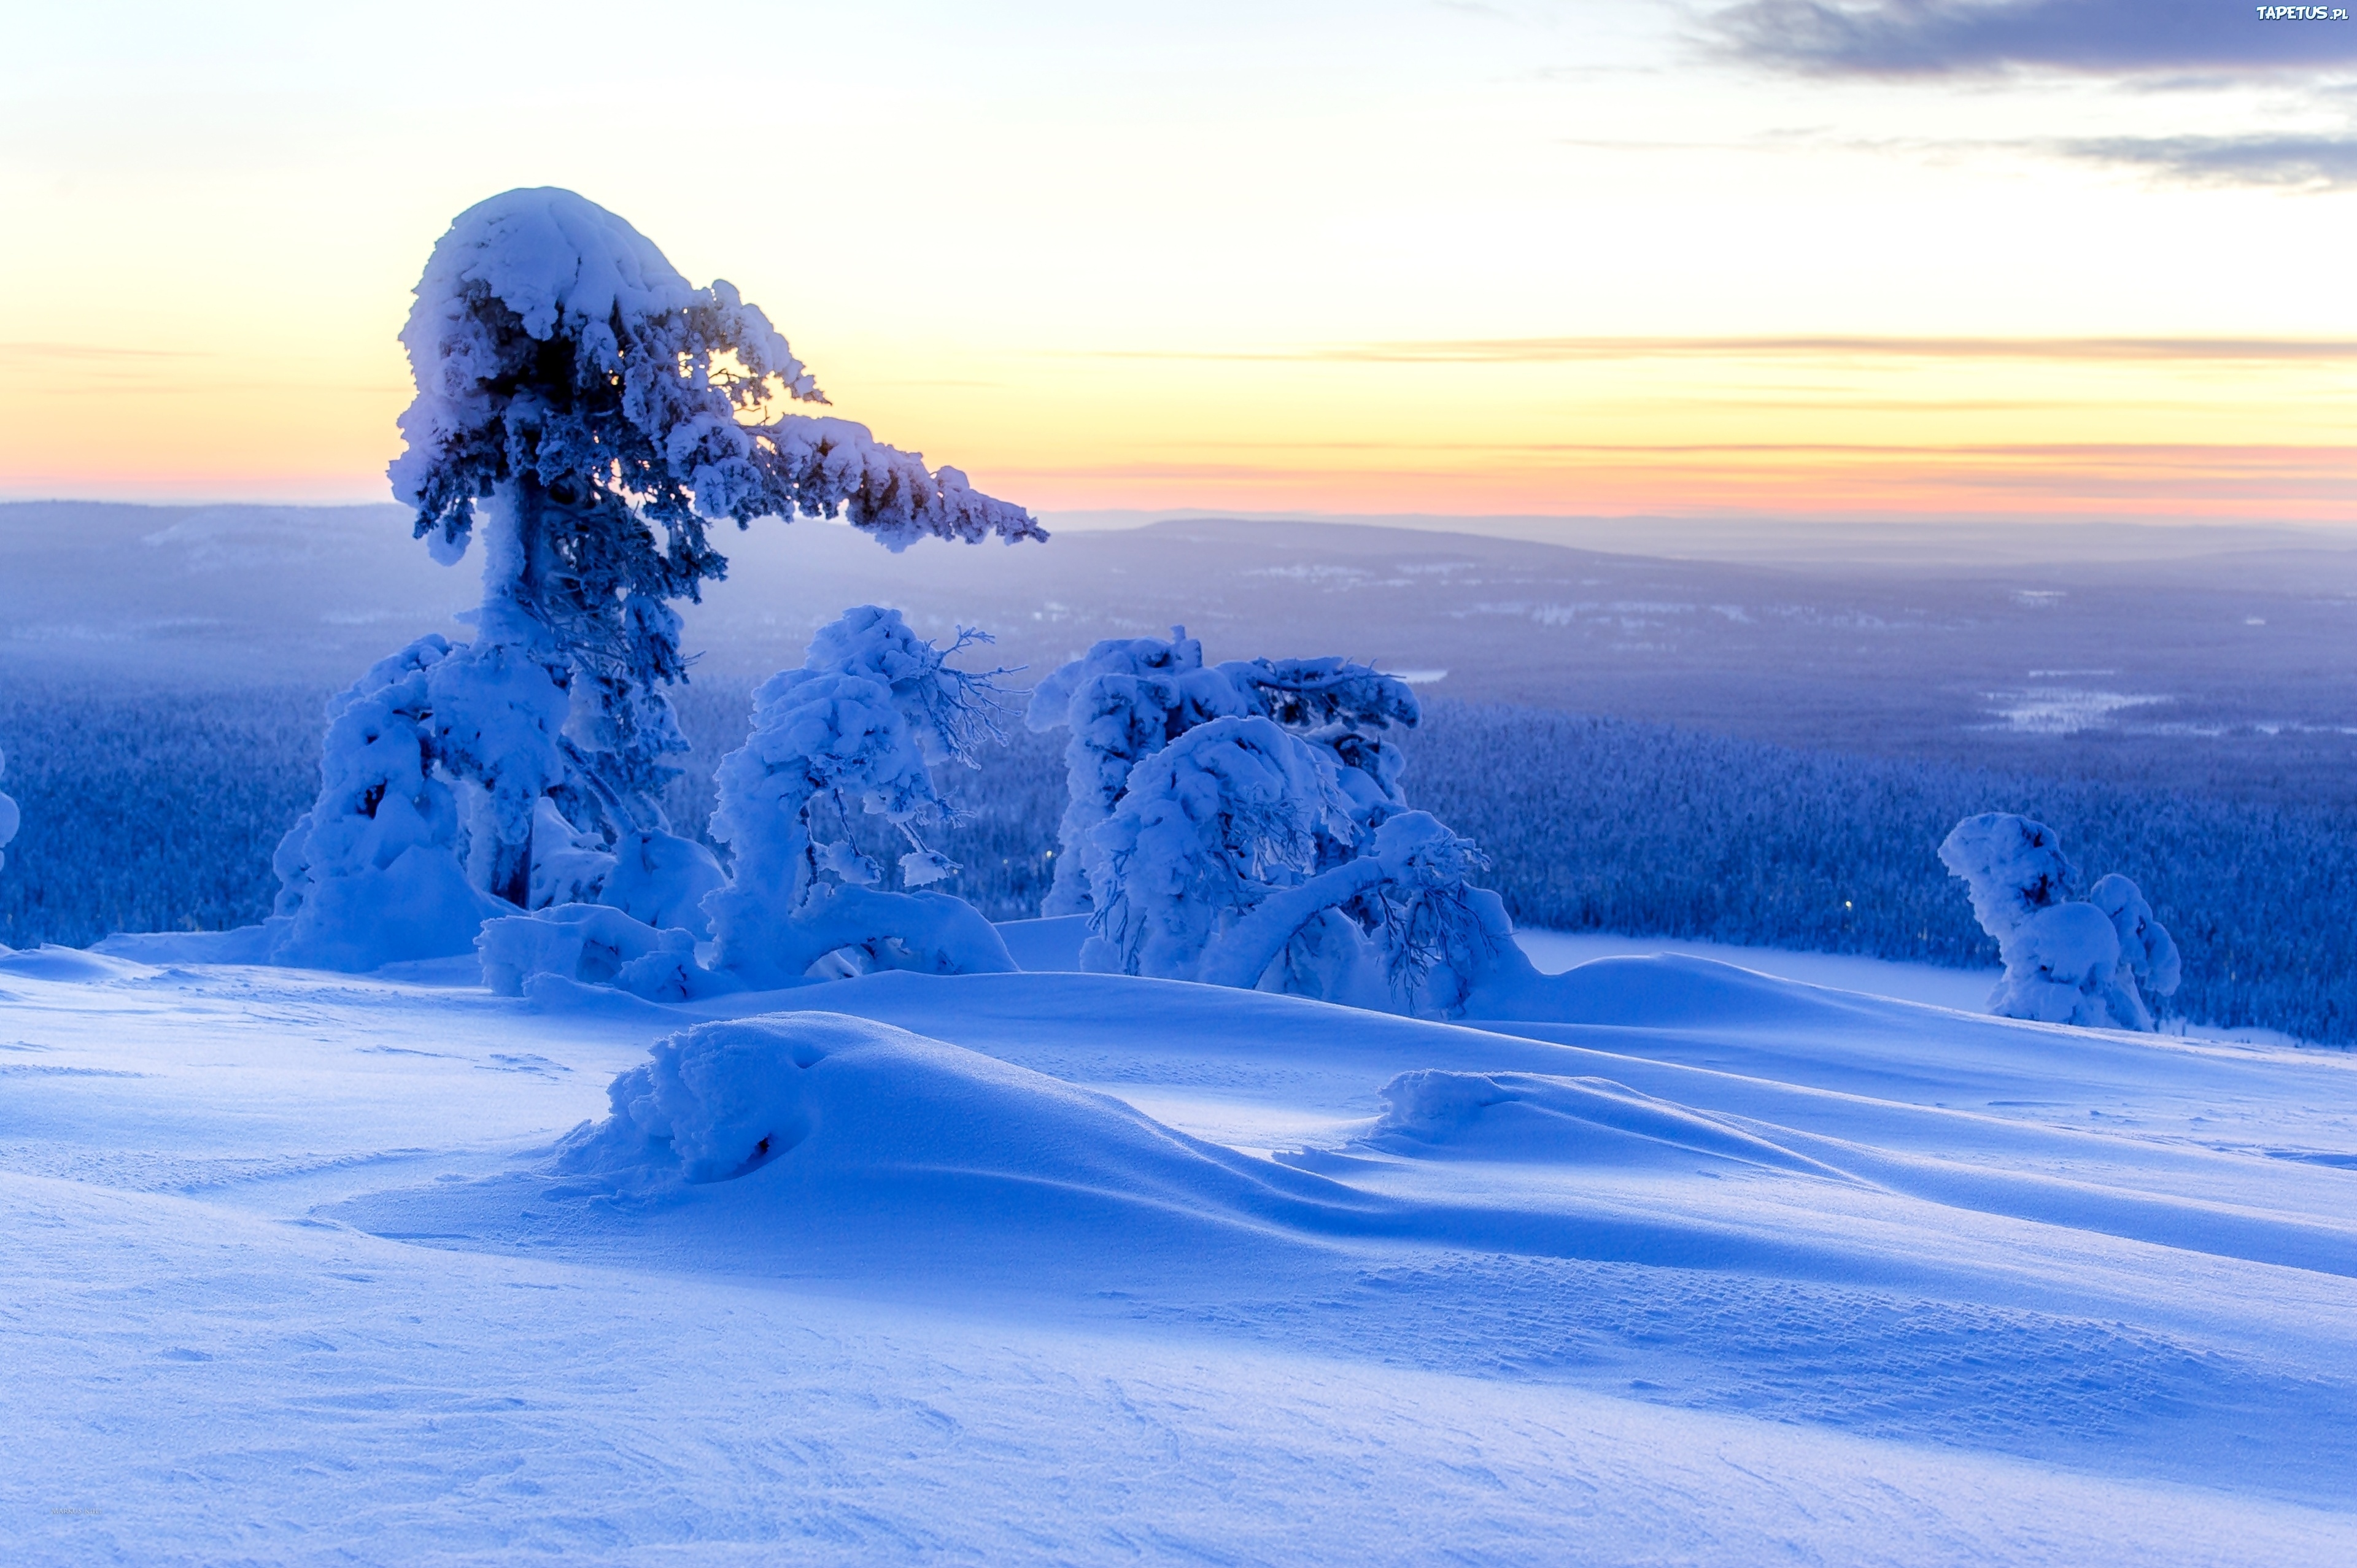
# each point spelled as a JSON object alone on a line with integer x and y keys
{"x": 592, "y": 945}
{"x": 241, "y": 944}
{"x": 49, "y": 961}
{"x": 1046, "y": 945}
{"x": 1582, "y": 1120}
{"x": 850, "y": 1110}
{"x": 1663, "y": 991}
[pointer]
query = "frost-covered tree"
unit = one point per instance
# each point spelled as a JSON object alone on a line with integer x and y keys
{"x": 372, "y": 875}
{"x": 8, "y": 817}
{"x": 595, "y": 415}
{"x": 2065, "y": 961}
{"x": 1128, "y": 699}
{"x": 2148, "y": 958}
{"x": 1220, "y": 863}
{"x": 856, "y": 731}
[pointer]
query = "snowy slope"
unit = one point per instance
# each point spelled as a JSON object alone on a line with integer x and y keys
{"x": 1703, "y": 1265}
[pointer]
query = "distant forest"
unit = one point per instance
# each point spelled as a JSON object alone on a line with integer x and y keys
{"x": 158, "y": 811}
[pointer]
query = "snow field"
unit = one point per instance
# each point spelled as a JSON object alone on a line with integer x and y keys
{"x": 1701, "y": 1265}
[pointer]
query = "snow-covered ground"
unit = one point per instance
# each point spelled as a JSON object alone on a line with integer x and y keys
{"x": 1711, "y": 1266}
{"x": 1965, "y": 990}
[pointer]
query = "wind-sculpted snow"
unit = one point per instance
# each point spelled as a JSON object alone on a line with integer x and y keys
{"x": 835, "y": 1105}
{"x": 1688, "y": 1263}
{"x": 1516, "y": 1115}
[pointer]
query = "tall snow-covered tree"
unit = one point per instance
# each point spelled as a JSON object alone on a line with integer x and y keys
{"x": 596, "y": 417}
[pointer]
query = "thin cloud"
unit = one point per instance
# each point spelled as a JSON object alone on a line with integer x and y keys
{"x": 2315, "y": 163}
{"x": 1551, "y": 350}
{"x": 90, "y": 351}
{"x": 1938, "y": 37}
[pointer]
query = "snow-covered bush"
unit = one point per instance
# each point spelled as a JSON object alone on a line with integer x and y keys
{"x": 2065, "y": 961}
{"x": 596, "y": 945}
{"x": 1233, "y": 858}
{"x": 2148, "y": 957}
{"x": 1127, "y": 699}
{"x": 373, "y": 874}
{"x": 857, "y": 730}
{"x": 604, "y": 413}
{"x": 8, "y": 818}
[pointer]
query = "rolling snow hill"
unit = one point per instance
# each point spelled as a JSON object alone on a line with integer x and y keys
{"x": 1701, "y": 1265}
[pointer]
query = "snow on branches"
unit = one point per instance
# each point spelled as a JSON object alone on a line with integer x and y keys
{"x": 1242, "y": 824}
{"x": 857, "y": 730}
{"x": 1127, "y": 699}
{"x": 2065, "y": 961}
{"x": 552, "y": 344}
{"x": 373, "y": 872}
{"x": 602, "y": 411}
{"x": 8, "y": 817}
{"x": 608, "y": 411}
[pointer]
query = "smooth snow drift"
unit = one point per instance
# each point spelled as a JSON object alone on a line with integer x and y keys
{"x": 1693, "y": 1264}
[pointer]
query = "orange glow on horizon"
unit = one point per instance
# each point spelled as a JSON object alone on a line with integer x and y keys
{"x": 2173, "y": 430}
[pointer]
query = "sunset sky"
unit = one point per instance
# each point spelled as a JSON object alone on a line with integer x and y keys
{"x": 1892, "y": 259}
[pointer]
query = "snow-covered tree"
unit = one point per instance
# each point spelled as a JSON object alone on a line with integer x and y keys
{"x": 8, "y": 817}
{"x": 856, "y": 731}
{"x": 2148, "y": 958}
{"x": 1127, "y": 699}
{"x": 372, "y": 874}
{"x": 597, "y": 415}
{"x": 2065, "y": 961}
{"x": 1234, "y": 856}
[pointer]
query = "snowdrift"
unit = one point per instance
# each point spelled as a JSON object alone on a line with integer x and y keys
{"x": 1586, "y": 1120}
{"x": 962, "y": 1254}
{"x": 836, "y": 1104}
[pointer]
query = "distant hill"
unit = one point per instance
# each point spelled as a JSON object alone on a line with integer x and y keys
{"x": 2230, "y": 671}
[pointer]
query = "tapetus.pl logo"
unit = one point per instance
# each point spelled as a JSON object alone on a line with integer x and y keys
{"x": 2302, "y": 13}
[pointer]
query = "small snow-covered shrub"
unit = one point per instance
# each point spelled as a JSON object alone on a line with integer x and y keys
{"x": 8, "y": 817}
{"x": 846, "y": 1125}
{"x": 2065, "y": 963}
{"x": 2148, "y": 957}
{"x": 1242, "y": 824}
{"x": 374, "y": 871}
{"x": 857, "y": 729}
{"x": 1128, "y": 698}
{"x": 1233, "y": 856}
{"x": 716, "y": 1101}
{"x": 606, "y": 413}
{"x": 596, "y": 945}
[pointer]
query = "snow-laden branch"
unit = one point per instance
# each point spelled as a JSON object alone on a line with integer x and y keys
{"x": 553, "y": 342}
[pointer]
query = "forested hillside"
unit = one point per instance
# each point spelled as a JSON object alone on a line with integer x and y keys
{"x": 158, "y": 811}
